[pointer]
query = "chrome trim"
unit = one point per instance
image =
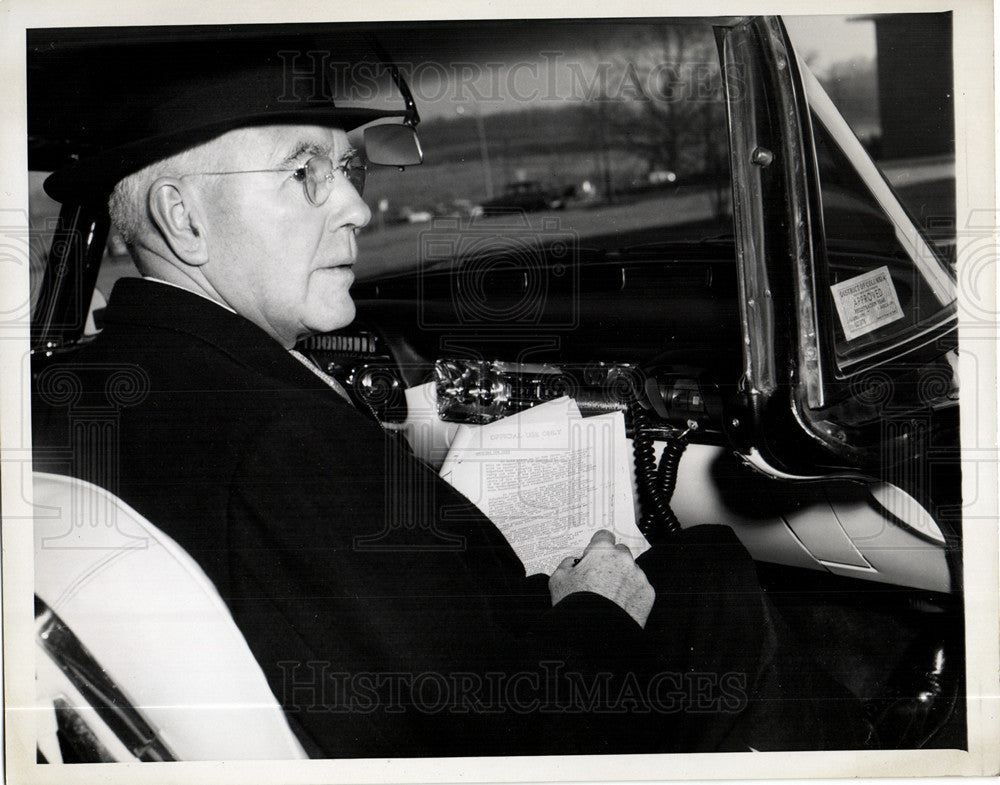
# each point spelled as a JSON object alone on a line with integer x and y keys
{"x": 911, "y": 342}
{"x": 800, "y": 219}
{"x": 62, "y": 646}
{"x": 756, "y": 305}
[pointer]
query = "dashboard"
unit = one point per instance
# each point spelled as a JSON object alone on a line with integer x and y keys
{"x": 653, "y": 335}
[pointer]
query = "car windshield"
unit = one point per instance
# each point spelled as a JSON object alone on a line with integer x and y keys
{"x": 612, "y": 132}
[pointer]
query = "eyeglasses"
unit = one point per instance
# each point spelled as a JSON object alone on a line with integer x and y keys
{"x": 317, "y": 176}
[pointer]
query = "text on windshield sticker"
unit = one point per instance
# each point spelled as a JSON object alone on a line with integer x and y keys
{"x": 866, "y": 302}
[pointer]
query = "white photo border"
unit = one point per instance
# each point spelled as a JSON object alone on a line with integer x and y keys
{"x": 976, "y": 188}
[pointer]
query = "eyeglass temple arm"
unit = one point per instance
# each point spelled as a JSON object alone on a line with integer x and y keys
{"x": 413, "y": 116}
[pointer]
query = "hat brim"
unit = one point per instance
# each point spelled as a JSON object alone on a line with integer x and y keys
{"x": 92, "y": 179}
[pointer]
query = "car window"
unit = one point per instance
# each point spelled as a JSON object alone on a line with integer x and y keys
{"x": 44, "y": 215}
{"x": 898, "y": 103}
{"x": 880, "y": 295}
{"x": 612, "y": 132}
{"x": 887, "y": 283}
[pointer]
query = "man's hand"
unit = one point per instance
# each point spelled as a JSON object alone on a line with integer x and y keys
{"x": 609, "y": 570}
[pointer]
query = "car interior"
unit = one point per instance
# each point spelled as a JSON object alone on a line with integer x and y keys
{"x": 582, "y": 223}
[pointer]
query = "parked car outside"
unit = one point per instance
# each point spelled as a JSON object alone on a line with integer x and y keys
{"x": 526, "y": 196}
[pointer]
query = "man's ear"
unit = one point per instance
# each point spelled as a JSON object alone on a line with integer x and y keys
{"x": 178, "y": 220}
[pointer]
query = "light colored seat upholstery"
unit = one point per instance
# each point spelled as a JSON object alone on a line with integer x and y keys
{"x": 155, "y": 623}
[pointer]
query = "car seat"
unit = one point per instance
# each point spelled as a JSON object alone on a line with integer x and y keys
{"x": 139, "y": 657}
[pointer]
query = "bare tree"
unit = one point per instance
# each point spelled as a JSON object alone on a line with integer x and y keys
{"x": 664, "y": 102}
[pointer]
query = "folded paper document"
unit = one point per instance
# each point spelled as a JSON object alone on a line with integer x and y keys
{"x": 548, "y": 478}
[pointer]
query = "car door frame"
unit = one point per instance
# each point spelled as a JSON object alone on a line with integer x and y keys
{"x": 786, "y": 421}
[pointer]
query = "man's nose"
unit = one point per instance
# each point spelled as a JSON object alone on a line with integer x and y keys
{"x": 350, "y": 208}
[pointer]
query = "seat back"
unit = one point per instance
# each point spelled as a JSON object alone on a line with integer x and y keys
{"x": 141, "y": 607}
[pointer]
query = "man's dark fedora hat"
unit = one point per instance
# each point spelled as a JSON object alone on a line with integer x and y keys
{"x": 147, "y": 120}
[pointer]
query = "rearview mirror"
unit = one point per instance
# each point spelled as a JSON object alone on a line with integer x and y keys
{"x": 393, "y": 145}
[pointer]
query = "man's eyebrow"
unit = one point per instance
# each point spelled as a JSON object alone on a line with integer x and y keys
{"x": 309, "y": 149}
{"x": 304, "y": 150}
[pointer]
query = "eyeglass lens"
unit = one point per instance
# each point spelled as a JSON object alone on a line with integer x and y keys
{"x": 319, "y": 176}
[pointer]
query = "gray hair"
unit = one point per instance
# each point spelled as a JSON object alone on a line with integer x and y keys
{"x": 128, "y": 204}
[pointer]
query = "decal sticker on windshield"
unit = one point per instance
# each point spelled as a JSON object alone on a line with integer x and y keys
{"x": 866, "y": 302}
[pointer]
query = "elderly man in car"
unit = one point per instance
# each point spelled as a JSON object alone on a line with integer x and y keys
{"x": 242, "y": 214}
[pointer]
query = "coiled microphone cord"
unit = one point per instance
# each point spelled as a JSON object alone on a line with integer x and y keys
{"x": 656, "y": 483}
